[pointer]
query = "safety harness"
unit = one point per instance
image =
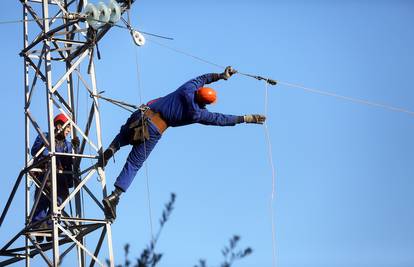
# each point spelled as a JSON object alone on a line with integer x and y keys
{"x": 139, "y": 128}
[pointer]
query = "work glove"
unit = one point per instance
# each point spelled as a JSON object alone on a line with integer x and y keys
{"x": 104, "y": 158}
{"x": 228, "y": 72}
{"x": 75, "y": 142}
{"x": 254, "y": 118}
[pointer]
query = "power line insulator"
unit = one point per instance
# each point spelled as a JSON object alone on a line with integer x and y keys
{"x": 115, "y": 11}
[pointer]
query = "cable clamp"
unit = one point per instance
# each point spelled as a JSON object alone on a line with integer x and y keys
{"x": 269, "y": 81}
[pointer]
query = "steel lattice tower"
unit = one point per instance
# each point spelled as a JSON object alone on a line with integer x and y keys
{"x": 56, "y": 45}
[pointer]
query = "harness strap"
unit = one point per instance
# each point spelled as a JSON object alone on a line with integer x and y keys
{"x": 157, "y": 120}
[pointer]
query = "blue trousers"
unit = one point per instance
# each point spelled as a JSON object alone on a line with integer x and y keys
{"x": 137, "y": 156}
{"x": 44, "y": 208}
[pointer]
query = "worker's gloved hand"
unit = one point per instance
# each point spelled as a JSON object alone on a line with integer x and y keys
{"x": 75, "y": 142}
{"x": 254, "y": 118}
{"x": 228, "y": 72}
{"x": 103, "y": 158}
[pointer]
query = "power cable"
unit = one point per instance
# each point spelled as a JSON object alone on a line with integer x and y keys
{"x": 187, "y": 54}
{"x": 347, "y": 98}
{"x": 268, "y": 80}
{"x": 308, "y": 89}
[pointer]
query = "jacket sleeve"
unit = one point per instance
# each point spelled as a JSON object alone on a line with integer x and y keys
{"x": 38, "y": 144}
{"x": 211, "y": 118}
{"x": 198, "y": 82}
{"x": 193, "y": 85}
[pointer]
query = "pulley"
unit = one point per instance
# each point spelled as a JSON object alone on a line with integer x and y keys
{"x": 138, "y": 38}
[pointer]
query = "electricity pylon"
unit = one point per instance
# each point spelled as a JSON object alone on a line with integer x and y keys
{"x": 58, "y": 53}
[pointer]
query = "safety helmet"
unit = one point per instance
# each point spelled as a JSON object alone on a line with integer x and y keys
{"x": 60, "y": 118}
{"x": 206, "y": 95}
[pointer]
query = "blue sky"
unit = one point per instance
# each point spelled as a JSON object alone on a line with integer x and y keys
{"x": 344, "y": 171}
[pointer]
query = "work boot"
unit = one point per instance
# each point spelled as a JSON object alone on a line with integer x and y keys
{"x": 110, "y": 203}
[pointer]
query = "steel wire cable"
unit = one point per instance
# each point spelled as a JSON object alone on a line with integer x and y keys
{"x": 289, "y": 84}
{"x": 347, "y": 98}
{"x": 293, "y": 85}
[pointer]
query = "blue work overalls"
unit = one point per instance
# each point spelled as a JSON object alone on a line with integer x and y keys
{"x": 178, "y": 108}
{"x": 64, "y": 181}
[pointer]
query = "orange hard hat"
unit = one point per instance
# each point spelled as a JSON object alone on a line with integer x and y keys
{"x": 206, "y": 95}
{"x": 60, "y": 118}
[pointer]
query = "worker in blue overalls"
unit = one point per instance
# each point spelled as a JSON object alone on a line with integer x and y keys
{"x": 144, "y": 127}
{"x": 63, "y": 163}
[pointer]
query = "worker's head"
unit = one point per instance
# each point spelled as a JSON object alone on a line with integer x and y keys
{"x": 59, "y": 121}
{"x": 205, "y": 96}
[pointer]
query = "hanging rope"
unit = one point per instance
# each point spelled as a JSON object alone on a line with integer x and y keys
{"x": 145, "y": 149}
{"x": 266, "y": 106}
{"x": 270, "y": 155}
{"x": 140, "y": 92}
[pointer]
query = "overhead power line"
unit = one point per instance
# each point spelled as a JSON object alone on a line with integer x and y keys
{"x": 307, "y": 89}
{"x": 268, "y": 80}
{"x": 347, "y": 98}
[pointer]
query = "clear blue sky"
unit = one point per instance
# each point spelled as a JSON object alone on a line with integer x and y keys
{"x": 344, "y": 171}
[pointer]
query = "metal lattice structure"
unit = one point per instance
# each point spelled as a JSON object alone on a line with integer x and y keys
{"x": 56, "y": 45}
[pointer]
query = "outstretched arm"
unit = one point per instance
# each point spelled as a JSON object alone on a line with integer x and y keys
{"x": 208, "y": 78}
{"x": 200, "y": 81}
{"x": 211, "y": 118}
{"x": 225, "y": 75}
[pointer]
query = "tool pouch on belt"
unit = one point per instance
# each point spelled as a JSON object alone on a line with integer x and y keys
{"x": 138, "y": 131}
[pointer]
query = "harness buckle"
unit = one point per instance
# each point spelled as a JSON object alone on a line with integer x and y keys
{"x": 143, "y": 108}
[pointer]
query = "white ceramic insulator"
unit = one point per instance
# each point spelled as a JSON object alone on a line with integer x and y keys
{"x": 92, "y": 16}
{"x": 104, "y": 12}
{"x": 115, "y": 11}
